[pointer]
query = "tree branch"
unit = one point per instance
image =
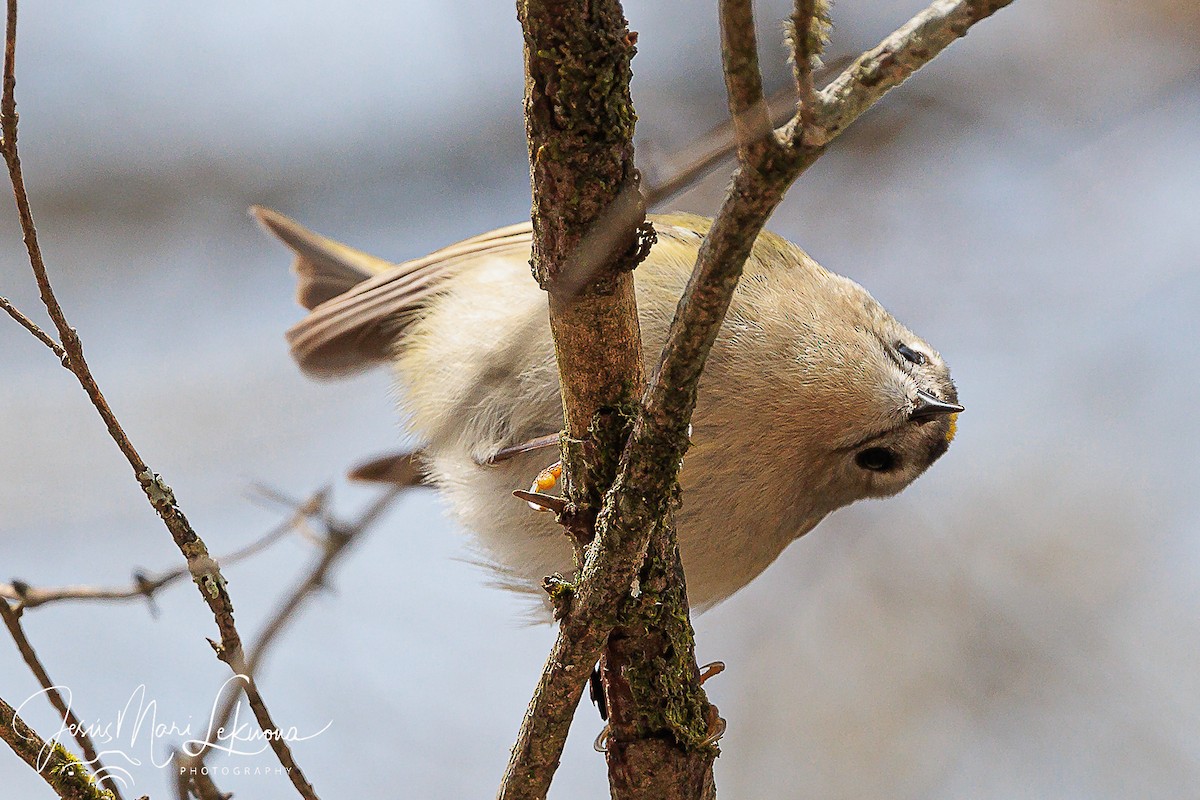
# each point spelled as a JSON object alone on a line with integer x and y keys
{"x": 204, "y": 570}
{"x": 12, "y": 621}
{"x": 66, "y": 774}
{"x": 588, "y": 236}
{"x": 743, "y": 79}
{"x": 579, "y": 122}
{"x": 31, "y": 326}
{"x": 636, "y": 511}
{"x": 146, "y": 586}
{"x": 809, "y": 30}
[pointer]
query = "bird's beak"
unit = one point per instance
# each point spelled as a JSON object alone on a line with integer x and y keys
{"x": 927, "y": 407}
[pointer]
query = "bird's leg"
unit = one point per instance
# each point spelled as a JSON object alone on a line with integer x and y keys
{"x": 540, "y": 443}
{"x": 600, "y": 698}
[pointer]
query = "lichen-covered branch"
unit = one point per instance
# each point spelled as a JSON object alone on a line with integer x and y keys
{"x": 636, "y": 510}
{"x": 587, "y": 207}
{"x": 66, "y": 774}
{"x": 589, "y": 233}
{"x": 886, "y": 66}
{"x": 586, "y": 215}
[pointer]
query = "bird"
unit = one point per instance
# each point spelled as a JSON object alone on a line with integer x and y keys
{"x": 813, "y": 397}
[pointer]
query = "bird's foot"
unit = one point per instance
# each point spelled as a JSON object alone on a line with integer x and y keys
{"x": 716, "y": 727}
{"x": 716, "y": 724}
{"x": 711, "y": 669}
{"x": 546, "y": 480}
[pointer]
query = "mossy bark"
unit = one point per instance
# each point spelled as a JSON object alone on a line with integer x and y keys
{"x": 589, "y": 235}
{"x": 65, "y": 773}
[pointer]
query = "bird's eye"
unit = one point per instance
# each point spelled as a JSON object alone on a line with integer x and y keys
{"x": 876, "y": 459}
{"x": 911, "y": 355}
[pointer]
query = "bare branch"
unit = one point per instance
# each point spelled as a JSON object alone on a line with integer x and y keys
{"x": 33, "y": 328}
{"x": 743, "y": 79}
{"x": 146, "y": 586}
{"x": 587, "y": 211}
{"x": 579, "y": 120}
{"x": 883, "y": 68}
{"x": 587, "y": 224}
{"x": 204, "y": 570}
{"x": 12, "y": 621}
{"x": 66, "y": 774}
{"x": 336, "y": 542}
{"x": 637, "y": 510}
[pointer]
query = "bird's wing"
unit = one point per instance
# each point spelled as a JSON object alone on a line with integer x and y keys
{"x": 358, "y": 303}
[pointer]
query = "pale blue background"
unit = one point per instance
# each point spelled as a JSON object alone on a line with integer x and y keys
{"x": 1020, "y": 623}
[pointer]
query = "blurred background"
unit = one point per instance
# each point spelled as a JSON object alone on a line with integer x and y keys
{"x": 1020, "y": 623}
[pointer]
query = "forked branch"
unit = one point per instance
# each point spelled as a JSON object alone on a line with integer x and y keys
{"x": 637, "y": 508}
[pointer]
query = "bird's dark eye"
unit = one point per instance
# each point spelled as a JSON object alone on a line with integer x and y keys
{"x": 910, "y": 354}
{"x": 876, "y": 459}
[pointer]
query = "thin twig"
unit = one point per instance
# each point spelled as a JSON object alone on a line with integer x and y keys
{"x": 12, "y": 621}
{"x": 70, "y": 340}
{"x": 33, "y": 328}
{"x": 337, "y": 540}
{"x": 146, "y": 586}
{"x": 807, "y": 42}
{"x": 205, "y": 571}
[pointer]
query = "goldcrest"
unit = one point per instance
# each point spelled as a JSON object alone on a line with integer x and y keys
{"x": 813, "y": 397}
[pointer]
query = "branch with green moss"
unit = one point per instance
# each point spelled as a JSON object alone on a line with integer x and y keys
{"x": 633, "y": 527}
{"x": 589, "y": 234}
{"x": 65, "y": 773}
{"x": 12, "y": 621}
